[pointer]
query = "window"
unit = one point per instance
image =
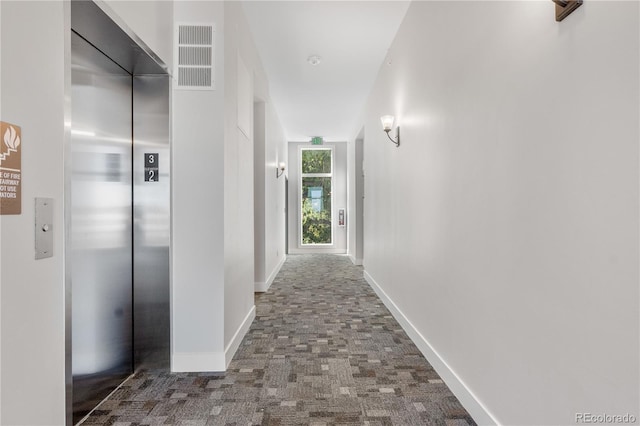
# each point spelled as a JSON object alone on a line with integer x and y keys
{"x": 316, "y": 171}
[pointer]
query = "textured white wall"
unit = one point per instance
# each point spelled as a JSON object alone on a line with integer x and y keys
{"x": 505, "y": 226}
{"x": 32, "y": 293}
{"x": 198, "y": 210}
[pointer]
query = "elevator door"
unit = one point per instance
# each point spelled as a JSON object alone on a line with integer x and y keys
{"x": 101, "y": 226}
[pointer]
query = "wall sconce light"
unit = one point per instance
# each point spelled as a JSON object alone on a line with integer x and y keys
{"x": 280, "y": 169}
{"x": 565, "y": 7}
{"x": 387, "y": 125}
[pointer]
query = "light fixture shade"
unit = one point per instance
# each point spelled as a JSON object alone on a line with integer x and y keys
{"x": 387, "y": 122}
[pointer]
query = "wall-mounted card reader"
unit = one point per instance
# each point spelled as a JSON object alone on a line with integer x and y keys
{"x": 341, "y": 218}
{"x": 44, "y": 228}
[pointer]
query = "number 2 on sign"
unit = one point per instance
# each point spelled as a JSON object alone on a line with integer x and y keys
{"x": 151, "y": 175}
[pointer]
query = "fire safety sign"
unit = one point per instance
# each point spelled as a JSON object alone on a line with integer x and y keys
{"x": 10, "y": 169}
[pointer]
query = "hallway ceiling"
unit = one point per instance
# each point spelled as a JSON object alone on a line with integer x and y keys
{"x": 352, "y": 39}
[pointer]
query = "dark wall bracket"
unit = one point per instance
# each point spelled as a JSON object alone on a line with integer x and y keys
{"x": 565, "y": 7}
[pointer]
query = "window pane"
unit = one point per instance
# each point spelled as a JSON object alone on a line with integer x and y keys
{"x": 316, "y": 161}
{"x": 316, "y": 210}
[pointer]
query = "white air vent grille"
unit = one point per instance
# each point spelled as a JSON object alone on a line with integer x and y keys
{"x": 195, "y": 57}
{"x": 196, "y": 34}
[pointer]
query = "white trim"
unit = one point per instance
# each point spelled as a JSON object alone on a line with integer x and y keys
{"x": 261, "y": 287}
{"x": 188, "y": 362}
{"x": 234, "y": 344}
{"x": 471, "y": 403}
{"x": 357, "y": 262}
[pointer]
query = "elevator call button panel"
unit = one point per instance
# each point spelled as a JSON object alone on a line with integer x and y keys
{"x": 44, "y": 228}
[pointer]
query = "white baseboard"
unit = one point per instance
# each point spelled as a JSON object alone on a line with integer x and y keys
{"x": 187, "y": 362}
{"x": 357, "y": 262}
{"x": 234, "y": 344}
{"x": 262, "y": 287}
{"x": 474, "y": 407}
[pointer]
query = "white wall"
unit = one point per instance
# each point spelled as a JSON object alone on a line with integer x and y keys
{"x": 269, "y": 150}
{"x": 198, "y": 209}
{"x": 274, "y": 192}
{"x": 355, "y": 196}
{"x": 259, "y": 198}
{"x": 505, "y": 226}
{"x": 358, "y": 214}
{"x": 32, "y": 292}
{"x": 339, "y": 201}
{"x": 239, "y": 177}
{"x": 213, "y": 198}
{"x": 351, "y": 199}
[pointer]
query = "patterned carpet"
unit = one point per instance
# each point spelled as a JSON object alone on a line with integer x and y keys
{"x": 323, "y": 350}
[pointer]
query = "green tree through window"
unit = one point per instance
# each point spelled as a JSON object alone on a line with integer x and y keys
{"x": 316, "y": 170}
{"x": 316, "y": 161}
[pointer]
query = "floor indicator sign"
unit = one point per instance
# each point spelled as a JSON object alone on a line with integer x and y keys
{"x": 151, "y": 162}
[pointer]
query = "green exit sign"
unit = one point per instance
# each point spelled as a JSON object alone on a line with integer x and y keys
{"x": 316, "y": 140}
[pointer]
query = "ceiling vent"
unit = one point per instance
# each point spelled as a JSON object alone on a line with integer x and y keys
{"x": 195, "y": 49}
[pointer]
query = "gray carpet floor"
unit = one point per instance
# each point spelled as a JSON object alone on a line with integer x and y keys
{"x": 323, "y": 350}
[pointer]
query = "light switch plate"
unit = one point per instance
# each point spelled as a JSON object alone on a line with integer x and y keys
{"x": 44, "y": 228}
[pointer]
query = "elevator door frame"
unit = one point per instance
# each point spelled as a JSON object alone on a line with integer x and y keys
{"x": 101, "y": 242}
{"x": 151, "y": 220}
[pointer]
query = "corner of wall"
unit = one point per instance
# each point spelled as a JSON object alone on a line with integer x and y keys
{"x": 33, "y": 330}
{"x": 262, "y": 287}
{"x": 186, "y": 362}
{"x": 471, "y": 403}
{"x": 198, "y": 270}
{"x": 234, "y": 344}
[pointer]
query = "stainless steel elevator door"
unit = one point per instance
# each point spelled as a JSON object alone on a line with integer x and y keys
{"x": 101, "y": 226}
